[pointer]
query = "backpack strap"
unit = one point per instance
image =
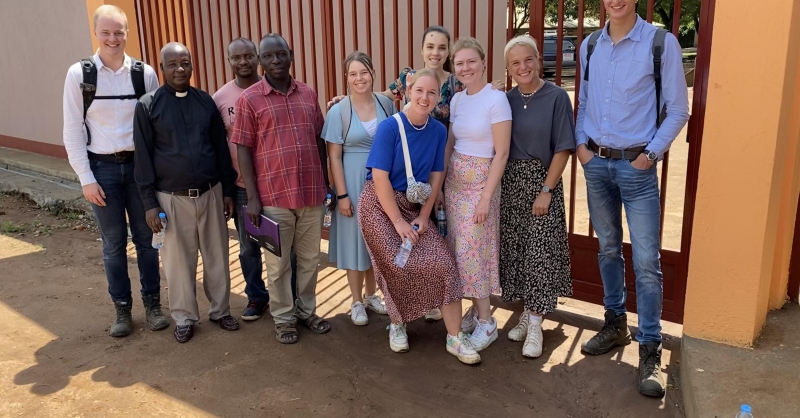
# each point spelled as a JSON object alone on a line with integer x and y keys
{"x": 658, "y": 50}
{"x": 88, "y": 89}
{"x": 590, "y": 49}
{"x": 137, "y": 78}
{"x": 346, "y": 112}
{"x": 385, "y": 102}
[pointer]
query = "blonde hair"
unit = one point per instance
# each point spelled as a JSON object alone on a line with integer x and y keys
{"x": 468, "y": 43}
{"x": 521, "y": 40}
{"x": 425, "y": 72}
{"x": 109, "y": 10}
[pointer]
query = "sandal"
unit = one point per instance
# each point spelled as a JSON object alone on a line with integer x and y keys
{"x": 286, "y": 333}
{"x": 317, "y": 324}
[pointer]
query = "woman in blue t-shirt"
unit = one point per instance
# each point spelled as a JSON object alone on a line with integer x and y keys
{"x": 386, "y": 215}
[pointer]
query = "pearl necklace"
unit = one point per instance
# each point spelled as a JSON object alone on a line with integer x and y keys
{"x": 529, "y": 95}
{"x": 415, "y": 126}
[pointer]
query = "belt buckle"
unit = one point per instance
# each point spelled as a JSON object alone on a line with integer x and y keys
{"x": 600, "y": 150}
{"x": 120, "y": 157}
{"x": 194, "y": 193}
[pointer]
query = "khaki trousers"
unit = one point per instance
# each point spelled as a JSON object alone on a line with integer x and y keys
{"x": 301, "y": 228}
{"x": 192, "y": 225}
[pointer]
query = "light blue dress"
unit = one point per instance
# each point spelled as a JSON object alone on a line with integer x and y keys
{"x": 346, "y": 245}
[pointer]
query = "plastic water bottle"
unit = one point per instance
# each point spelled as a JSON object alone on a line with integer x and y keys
{"x": 158, "y": 239}
{"x": 744, "y": 412}
{"x": 327, "y": 221}
{"x": 405, "y": 250}
{"x": 441, "y": 221}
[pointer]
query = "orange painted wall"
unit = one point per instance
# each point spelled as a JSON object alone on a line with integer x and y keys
{"x": 747, "y": 170}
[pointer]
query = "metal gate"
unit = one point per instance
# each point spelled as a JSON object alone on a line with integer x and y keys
{"x": 322, "y": 33}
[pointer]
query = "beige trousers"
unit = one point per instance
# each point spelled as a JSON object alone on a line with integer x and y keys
{"x": 192, "y": 225}
{"x": 301, "y": 228}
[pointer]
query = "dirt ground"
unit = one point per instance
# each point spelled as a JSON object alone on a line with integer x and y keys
{"x": 56, "y": 358}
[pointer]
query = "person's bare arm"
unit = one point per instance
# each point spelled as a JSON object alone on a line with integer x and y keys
{"x": 337, "y": 172}
{"x": 383, "y": 187}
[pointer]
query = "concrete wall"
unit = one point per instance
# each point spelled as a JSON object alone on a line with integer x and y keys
{"x": 40, "y": 40}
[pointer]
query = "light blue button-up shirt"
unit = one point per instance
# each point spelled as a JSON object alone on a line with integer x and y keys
{"x": 618, "y": 104}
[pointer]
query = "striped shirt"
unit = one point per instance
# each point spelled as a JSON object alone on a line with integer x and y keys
{"x": 282, "y": 130}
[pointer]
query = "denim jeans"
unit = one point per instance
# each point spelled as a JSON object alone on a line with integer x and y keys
{"x": 250, "y": 256}
{"x": 610, "y": 184}
{"x": 122, "y": 195}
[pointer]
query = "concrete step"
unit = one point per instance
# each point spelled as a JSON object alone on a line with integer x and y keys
{"x": 51, "y": 193}
{"x": 37, "y": 163}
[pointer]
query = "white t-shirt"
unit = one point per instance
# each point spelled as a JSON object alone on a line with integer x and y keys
{"x": 472, "y": 117}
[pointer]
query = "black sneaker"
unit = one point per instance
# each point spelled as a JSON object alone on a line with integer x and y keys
{"x": 254, "y": 310}
{"x": 651, "y": 381}
{"x": 614, "y": 333}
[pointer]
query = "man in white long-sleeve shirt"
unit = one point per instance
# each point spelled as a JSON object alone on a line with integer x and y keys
{"x": 99, "y": 143}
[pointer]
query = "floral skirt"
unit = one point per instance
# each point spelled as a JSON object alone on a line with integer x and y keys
{"x": 475, "y": 246}
{"x": 534, "y": 256}
{"x": 429, "y": 278}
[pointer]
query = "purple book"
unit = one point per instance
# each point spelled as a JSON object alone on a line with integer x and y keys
{"x": 267, "y": 234}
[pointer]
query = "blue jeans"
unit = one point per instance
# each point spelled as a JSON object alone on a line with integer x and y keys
{"x": 122, "y": 195}
{"x": 611, "y": 183}
{"x": 250, "y": 256}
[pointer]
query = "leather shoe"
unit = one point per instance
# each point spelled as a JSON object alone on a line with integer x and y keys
{"x": 184, "y": 333}
{"x": 227, "y": 322}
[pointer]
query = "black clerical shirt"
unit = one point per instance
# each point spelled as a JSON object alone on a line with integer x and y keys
{"x": 179, "y": 144}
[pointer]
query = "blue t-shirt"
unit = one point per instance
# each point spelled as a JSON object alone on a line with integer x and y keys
{"x": 425, "y": 147}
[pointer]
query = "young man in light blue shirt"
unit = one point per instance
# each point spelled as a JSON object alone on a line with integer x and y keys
{"x": 619, "y": 145}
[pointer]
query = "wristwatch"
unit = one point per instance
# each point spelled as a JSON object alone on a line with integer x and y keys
{"x": 546, "y": 189}
{"x": 651, "y": 156}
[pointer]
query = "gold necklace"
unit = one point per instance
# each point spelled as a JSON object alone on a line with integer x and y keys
{"x": 529, "y": 96}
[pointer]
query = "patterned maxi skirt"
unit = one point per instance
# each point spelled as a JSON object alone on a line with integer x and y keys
{"x": 475, "y": 246}
{"x": 534, "y": 256}
{"x": 429, "y": 279}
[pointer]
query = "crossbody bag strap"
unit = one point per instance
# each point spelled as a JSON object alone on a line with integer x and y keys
{"x": 404, "y": 141}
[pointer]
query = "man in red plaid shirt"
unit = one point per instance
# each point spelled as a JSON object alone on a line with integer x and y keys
{"x": 283, "y": 162}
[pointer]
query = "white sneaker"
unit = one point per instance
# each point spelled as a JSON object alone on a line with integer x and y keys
{"x": 358, "y": 314}
{"x": 485, "y": 333}
{"x": 375, "y": 304}
{"x": 463, "y": 349}
{"x": 470, "y": 320}
{"x": 433, "y": 315}
{"x": 519, "y": 332}
{"x": 398, "y": 339}
{"x": 533, "y": 342}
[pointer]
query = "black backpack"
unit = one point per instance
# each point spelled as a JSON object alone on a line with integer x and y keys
{"x": 658, "y": 50}
{"x": 89, "y": 87}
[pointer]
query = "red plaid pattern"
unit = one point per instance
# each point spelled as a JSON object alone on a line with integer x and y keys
{"x": 282, "y": 131}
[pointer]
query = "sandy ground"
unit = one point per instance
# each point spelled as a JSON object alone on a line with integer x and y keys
{"x": 56, "y": 358}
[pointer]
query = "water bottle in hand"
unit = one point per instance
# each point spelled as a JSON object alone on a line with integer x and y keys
{"x": 405, "y": 250}
{"x": 744, "y": 412}
{"x": 326, "y": 223}
{"x": 441, "y": 221}
{"x": 158, "y": 239}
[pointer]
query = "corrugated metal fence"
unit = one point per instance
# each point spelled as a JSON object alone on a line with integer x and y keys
{"x": 321, "y": 33}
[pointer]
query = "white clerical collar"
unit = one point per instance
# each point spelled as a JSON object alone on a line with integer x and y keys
{"x": 181, "y": 93}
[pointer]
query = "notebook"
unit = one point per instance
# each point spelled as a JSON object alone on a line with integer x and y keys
{"x": 267, "y": 234}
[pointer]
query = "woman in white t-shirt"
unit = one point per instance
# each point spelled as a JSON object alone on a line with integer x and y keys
{"x": 477, "y": 151}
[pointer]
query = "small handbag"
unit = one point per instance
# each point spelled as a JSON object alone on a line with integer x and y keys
{"x": 417, "y": 192}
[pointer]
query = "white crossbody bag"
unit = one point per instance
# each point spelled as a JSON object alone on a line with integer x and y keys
{"x": 416, "y": 192}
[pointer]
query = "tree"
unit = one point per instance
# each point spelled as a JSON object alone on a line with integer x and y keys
{"x": 522, "y": 15}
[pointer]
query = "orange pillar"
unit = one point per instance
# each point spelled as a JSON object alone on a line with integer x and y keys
{"x": 748, "y": 179}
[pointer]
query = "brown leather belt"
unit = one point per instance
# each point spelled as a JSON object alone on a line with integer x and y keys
{"x": 193, "y": 193}
{"x": 629, "y": 154}
{"x": 122, "y": 157}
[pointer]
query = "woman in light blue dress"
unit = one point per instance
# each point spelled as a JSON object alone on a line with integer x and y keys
{"x": 349, "y": 130}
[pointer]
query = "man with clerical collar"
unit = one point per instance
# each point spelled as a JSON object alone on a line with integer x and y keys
{"x": 183, "y": 169}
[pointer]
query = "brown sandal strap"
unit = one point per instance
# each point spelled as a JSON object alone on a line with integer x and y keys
{"x": 284, "y": 330}
{"x": 314, "y": 321}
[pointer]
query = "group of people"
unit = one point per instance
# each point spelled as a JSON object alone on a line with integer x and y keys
{"x": 491, "y": 159}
